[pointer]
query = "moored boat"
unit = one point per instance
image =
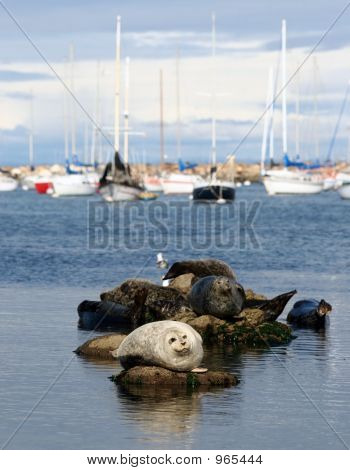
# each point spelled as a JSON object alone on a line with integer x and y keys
{"x": 180, "y": 183}
{"x": 289, "y": 182}
{"x": 7, "y": 183}
{"x": 43, "y": 185}
{"x": 73, "y": 185}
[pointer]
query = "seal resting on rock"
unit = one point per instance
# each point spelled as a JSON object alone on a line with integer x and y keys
{"x": 107, "y": 313}
{"x": 169, "y": 344}
{"x": 160, "y": 303}
{"x": 309, "y": 312}
{"x": 200, "y": 268}
{"x": 219, "y": 296}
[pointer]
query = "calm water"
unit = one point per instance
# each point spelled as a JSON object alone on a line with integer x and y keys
{"x": 290, "y": 397}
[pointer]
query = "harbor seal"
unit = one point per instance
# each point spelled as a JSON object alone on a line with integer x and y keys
{"x": 200, "y": 268}
{"x": 310, "y": 312}
{"x": 219, "y": 296}
{"x": 106, "y": 313}
{"x": 169, "y": 344}
{"x": 160, "y": 303}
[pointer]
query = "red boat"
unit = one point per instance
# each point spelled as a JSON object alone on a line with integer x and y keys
{"x": 43, "y": 186}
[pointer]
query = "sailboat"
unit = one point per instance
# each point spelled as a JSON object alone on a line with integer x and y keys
{"x": 7, "y": 183}
{"x": 285, "y": 181}
{"x": 215, "y": 190}
{"x": 116, "y": 183}
{"x": 75, "y": 182}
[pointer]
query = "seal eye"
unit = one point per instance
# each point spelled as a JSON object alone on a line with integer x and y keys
{"x": 184, "y": 337}
{"x": 171, "y": 340}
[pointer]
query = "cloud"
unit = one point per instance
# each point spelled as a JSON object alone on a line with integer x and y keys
{"x": 18, "y": 76}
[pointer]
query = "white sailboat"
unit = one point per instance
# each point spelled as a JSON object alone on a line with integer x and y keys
{"x": 7, "y": 183}
{"x": 81, "y": 183}
{"x": 116, "y": 183}
{"x": 215, "y": 190}
{"x": 285, "y": 181}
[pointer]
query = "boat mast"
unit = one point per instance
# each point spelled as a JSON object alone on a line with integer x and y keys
{"x": 297, "y": 118}
{"x": 161, "y": 117}
{"x": 126, "y": 112}
{"x": 316, "y": 119}
{"x": 31, "y": 131}
{"x": 72, "y": 104}
{"x": 178, "y": 119}
{"x": 117, "y": 94}
{"x": 65, "y": 118}
{"x": 267, "y": 122}
{"x": 284, "y": 91}
{"x": 213, "y": 119}
{"x": 272, "y": 109}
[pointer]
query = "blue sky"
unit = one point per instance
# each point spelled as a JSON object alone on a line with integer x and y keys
{"x": 248, "y": 39}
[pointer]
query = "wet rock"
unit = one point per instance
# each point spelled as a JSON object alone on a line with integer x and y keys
{"x": 101, "y": 347}
{"x": 214, "y": 330}
{"x": 183, "y": 283}
{"x": 251, "y": 295}
{"x": 163, "y": 377}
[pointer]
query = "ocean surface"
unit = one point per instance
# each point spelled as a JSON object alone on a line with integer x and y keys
{"x": 54, "y": 253}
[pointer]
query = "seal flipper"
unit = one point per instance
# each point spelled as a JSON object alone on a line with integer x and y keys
{"x": 273, "y": 307}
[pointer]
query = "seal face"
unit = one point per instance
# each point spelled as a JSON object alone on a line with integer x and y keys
{"x": 169, "y": 344}
{"x": 219, "y": 296}
{"x": 309, "y": 312}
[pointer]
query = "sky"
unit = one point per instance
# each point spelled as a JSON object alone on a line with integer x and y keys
{"x": 153, "y": 32}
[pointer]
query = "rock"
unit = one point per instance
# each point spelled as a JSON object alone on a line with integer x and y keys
{"x": 163, "y": 377}
{"x": 213, "y": 329}
{"x": 183, "y": 283}
{"x": 101, "y": 347}
{"x": 251, "y": 295}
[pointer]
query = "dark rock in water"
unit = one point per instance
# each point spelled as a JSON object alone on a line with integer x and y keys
{"x": 215, "y": 330}
{"x": 160, "y": 303}
{"x": 101, "y": 347}
{"x": 200, "y": 268}
{"x": 94, "y": 315}
{"x": 219, "y": 296}
{"x": 157, "y": 376}
{"x": 259, "y": 311}
{"x": 310, "y": 312}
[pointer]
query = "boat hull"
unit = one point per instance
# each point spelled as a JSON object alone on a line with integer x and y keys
{"x": 152, "y": 184}
{"x": 73, "y": 185}
{"x": 115, "y": 192}
{"x": 344, "y": 191}
{"x": 275, "y": 186}
{"x": 8, "y": 184}
{"x": 214, "y": 193}
{"x": 179, "y": 183}
{"x": 43, "y": 186}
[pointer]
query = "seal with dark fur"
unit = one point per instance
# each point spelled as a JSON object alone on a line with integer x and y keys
{"x": 200, "y": 268}
{"x": 310, "y": 312}
{"x": 219, "y": 296}
{"x": 160, "y": 303}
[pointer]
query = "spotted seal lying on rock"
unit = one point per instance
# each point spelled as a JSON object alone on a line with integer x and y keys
{"x": 200, "y": 268}
{"x": 160, "y": 303}
{"x": 219, "y": 296}
{"x": 309, "y": 312}
{"x": 95, "y": 315}
{"x": 169, "y": 344}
